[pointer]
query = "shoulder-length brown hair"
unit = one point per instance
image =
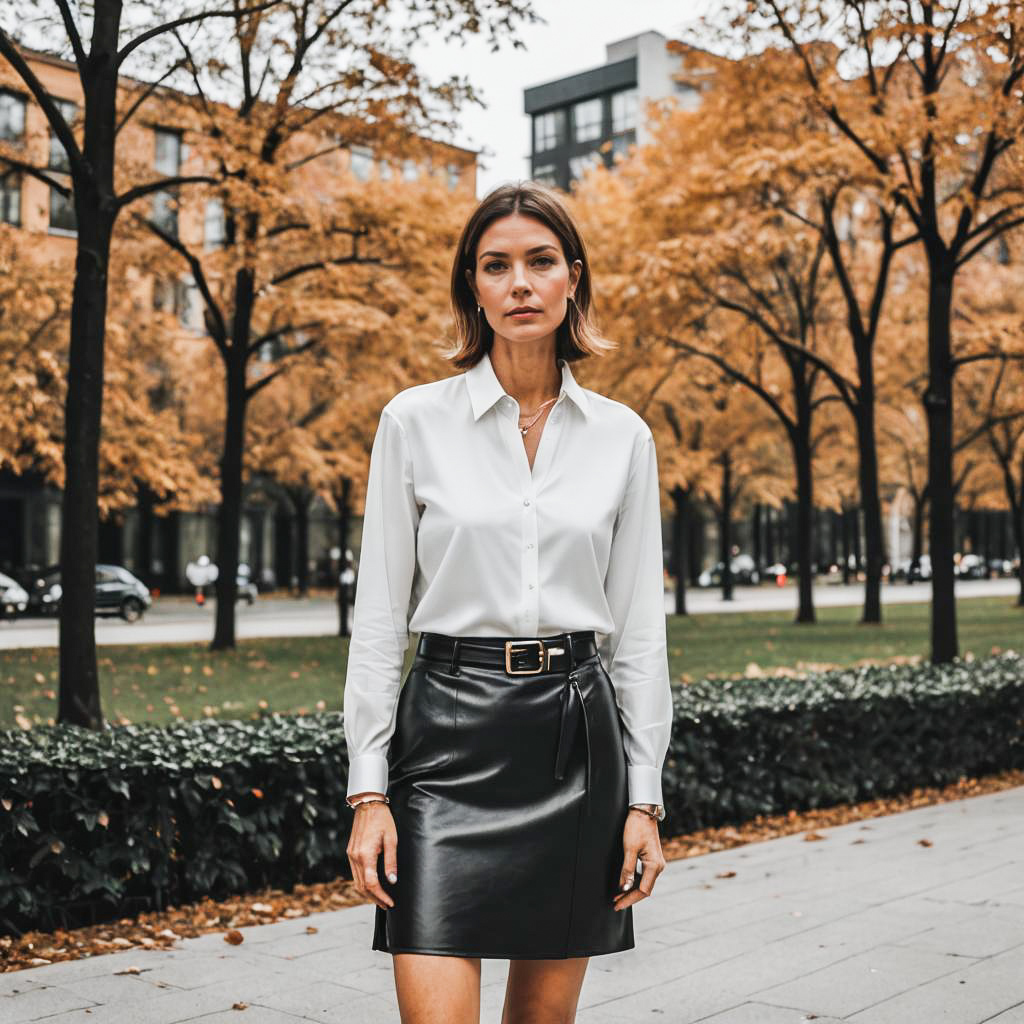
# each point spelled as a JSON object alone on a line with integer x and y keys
{"x": 577, "y": 335}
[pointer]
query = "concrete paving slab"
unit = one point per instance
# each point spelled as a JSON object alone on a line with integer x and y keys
{"x": 865, "y": 926}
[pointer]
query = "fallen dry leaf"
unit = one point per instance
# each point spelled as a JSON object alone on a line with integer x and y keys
{"x": 194, "y": 919}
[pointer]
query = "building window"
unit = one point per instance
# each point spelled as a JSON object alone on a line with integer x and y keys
{"x": 454, "y": 176}
{"x": 10, "y": 198}
{"x": 624, "y": 105}
{"x": 546, "y": 174}
{"x": 360, "y": 162}
{"x": 621, "y": 144}
{"x": 579, "y": 165}
{"x": 12, "y": 116}
{"x": 384, "y": 171}
{"x": 168, "y": 162}
{"x": 410, "y": 171}
{"x": 213, "y": 224}
{"x": 62, "y": 207}
{"x": 548, "y": 130}
{"x": 586, "y": 117}
{"x": 171, "y": 295}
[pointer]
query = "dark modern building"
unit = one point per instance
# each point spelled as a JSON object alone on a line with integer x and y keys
{"x": 595, "y": 114}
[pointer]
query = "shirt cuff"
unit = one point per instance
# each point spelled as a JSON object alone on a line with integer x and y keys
{"x": 644, "y": 784}
{"x": 367, "y": 773}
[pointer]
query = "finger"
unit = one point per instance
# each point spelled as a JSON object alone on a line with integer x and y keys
{"x": 628, "y": 869}
{"x": 373, "y": 887}
{"x": 391, "y": 859}
{"x": 627, "y": 899}
{"x": 357, "y": 873}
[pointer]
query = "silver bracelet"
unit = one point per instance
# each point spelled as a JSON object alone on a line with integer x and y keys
{"x": 369, "y": 800}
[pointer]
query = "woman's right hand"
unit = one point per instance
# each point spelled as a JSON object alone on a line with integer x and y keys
{"x": 372, "y": 831}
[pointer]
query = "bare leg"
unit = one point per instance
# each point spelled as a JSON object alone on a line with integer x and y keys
{"x": 543, "y": 991}
{"x": 435, "y": 989}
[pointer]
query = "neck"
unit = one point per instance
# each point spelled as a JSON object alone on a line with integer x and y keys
{"x": 527, "y": 372}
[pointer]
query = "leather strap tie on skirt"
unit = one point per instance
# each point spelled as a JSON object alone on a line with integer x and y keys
{"x": 573, "y": 709}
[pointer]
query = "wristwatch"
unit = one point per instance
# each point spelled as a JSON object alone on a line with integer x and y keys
{"x": 656, "y": 811}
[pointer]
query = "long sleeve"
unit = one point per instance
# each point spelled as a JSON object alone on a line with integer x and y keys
{"x": 637, "y": 648}
{"x": 380, "y": 634}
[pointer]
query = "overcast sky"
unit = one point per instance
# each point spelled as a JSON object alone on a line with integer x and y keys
{"x": 573, "y": 39}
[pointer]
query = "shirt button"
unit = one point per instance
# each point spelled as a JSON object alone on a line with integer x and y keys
{"x": 531, "y": 586}
{"x": 526, "y": 501}
{"x": 528, "y": 546}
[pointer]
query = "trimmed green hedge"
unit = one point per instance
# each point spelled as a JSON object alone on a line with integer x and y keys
{"x": 741, "y": 748}
{"x": 94, "y": 825}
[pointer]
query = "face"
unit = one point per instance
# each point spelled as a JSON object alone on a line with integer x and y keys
{"x": 519, "y": 262}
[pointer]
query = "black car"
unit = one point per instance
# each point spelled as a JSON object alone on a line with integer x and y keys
{"x": 118, "y": 592}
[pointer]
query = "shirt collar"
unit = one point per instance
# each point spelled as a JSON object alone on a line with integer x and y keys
{"x": 485, "y": 389}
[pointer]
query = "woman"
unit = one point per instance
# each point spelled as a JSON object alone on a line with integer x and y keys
{"x": 507, "y": 797}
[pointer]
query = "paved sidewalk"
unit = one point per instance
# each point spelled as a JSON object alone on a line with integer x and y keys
{"x": 867, "y": 925}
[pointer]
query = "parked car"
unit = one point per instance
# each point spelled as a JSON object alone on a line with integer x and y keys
{"x": 1002, "y": 567}
{"x": 246, "y": 588}
{"x": 744, "y": 571}
{"x": 903, "y": 569}
{"x": 971, "y": 567}
{"x": 203, "y": 573}
{"x": 13, "y": 597}
{"x": 44, "y": 591}
{"x": 118, "y": 592}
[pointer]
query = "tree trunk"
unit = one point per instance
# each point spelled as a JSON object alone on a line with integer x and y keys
{"x": 845, "y": 547}
{"x": 79, "y": 693}
{"x": 229, "y": 514}
{"x": 867, "y": 471}
{"x": 301, "y": 499}
{"x": 345, "y": 592}
{"x": 680, "y": 532}
{"x": 725, "y": 527}
{"x": 144, "y": 537}
{"x": 93, "y": 189}
{"x": 757, "y": 531}
{"x": 938, "y": 406}
{"x": 804, "y": 544}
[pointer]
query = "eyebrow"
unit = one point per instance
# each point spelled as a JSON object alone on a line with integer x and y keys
{"x": 529, "y": 252}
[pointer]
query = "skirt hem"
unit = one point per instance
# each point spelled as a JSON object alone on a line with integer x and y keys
{"x": 506, "y": 956}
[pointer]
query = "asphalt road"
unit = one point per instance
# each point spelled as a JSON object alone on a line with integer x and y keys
{"x": 181, "y": 620}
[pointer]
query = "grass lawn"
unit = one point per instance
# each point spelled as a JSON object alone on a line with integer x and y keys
{"x": 160, "y": 682}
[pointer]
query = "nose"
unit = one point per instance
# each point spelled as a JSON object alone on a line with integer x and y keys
{"x": 520, "y": 284}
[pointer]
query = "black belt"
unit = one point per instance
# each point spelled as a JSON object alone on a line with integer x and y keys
{"x": 525, "y": 657}
{"x": 561, "y": 653}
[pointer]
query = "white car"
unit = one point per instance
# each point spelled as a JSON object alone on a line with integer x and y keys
{"x": 13, "y": 596}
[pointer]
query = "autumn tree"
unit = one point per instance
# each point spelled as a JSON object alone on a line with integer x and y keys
{"x": 105, "y": 42}
{"x": 929, "y": 95}
{"x": 309, "y": 81}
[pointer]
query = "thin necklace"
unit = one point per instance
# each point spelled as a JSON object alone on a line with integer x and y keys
{"x": 540, "y": 409}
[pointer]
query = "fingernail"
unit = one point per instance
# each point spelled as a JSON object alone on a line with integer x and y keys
{"x": 626, "y": 885}
{"x": 392, "y": 877}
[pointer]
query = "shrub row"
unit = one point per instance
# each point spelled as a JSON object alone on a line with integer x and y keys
{"x": 94, "y": 825}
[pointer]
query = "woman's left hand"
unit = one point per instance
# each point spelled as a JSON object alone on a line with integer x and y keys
{"x": 640, "y": 839}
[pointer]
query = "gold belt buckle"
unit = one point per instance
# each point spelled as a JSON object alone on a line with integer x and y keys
{"x": 509, "y": 644}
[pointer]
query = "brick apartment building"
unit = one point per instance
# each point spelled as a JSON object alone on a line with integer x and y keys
{"x": 157, "y": 548}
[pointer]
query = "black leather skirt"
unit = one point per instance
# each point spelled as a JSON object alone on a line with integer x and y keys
{"x": 509, "y": 798}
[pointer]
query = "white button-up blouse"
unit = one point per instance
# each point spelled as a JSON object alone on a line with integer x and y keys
{"x": 461, "y": 538}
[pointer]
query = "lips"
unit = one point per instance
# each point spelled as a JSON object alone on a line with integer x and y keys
{"x": 525, "y": 309}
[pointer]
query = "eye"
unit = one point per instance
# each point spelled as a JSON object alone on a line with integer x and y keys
{"x": 545, "y": 259}
{"x": 491, "y": 266}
